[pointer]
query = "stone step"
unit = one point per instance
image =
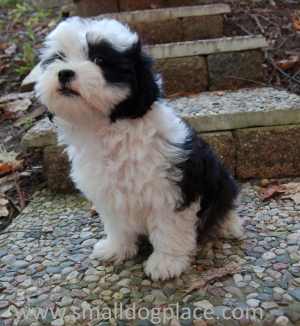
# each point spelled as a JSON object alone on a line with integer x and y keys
{"x": 176, "y": 24}
{"x": 256, "y": 132}
{"x": 213, "y": 64}
{"x": 87, "y": 8}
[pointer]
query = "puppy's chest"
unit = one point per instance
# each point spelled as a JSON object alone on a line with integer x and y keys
{"x": 126, "y": 165}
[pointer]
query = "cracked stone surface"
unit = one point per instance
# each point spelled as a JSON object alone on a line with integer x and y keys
{"x": 45, "y": 264}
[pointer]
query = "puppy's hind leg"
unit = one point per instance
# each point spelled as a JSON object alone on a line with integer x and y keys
{"x": 232, "y": 227}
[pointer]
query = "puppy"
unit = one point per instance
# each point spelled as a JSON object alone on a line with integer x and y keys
{"x": 145, "y": 170}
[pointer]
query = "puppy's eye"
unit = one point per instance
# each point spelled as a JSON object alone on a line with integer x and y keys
{"x": 98, "y": 61}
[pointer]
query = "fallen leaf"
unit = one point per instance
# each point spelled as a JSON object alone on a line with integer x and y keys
{"x": 11, "y": 50}
{"x": 286, "y": 64}
{"x": 214, "y": 275}
{"x": 4, "y": 212}
{"x": 3, "y": 46}
{"x": 292, "y": 191}
{"x": 7, "y": 183}
{"x": 296, "y": 198}
{"x": 271, "y": 191}
{"x": 93, "y": 211}
{"x": 296, "y": 23}
{"x": 16, "y": 96}
{"x": 16, "y": 108}
{"x": 9, "y": 162}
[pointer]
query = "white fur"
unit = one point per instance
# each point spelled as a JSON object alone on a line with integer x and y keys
{"x": 122, "y": 167}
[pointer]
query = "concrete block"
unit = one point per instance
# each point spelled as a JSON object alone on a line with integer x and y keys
{"x": 159, "y": 31}
{"x": 269, "y": 152}
{"x": 235, "y": 70}
{"x": 42, "y": 134}
{"x": 215, "y": 111}
{"x": 183, "y": 75}
{"x": 223, "y": 144}
{"x": 87, "y": 8}
{"x": 195, "y": 28}
{"x": 126, "y": 5}
{"x": 206, "y": 47}
{"x": 57, "y": 169}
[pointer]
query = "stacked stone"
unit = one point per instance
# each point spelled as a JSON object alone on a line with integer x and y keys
{"x": 256, "y": 132}
{"x": 176, "y": 30}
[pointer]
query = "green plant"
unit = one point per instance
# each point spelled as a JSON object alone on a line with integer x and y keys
{"x": 9, "y": 3}
{"x": 28, "y": 57}
{"x": 31, "y": 18}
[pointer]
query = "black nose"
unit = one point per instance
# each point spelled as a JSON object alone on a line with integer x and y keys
{"x": 65, "y": 76}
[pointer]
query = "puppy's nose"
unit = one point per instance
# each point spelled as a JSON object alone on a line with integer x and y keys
{"x": 65, "y": 76}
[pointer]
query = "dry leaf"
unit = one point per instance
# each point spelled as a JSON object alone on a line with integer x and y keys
{"x": 9, "y": 162}
{"x": 288, "y": 63}
{"x": 296, "y": 23}
{"x": 214, "y": 275}
{"x": 4, "y": 212}
{"x": 271, "y": 191}
{"x": 296, "y": 198}
{"x": 292, "y": 191}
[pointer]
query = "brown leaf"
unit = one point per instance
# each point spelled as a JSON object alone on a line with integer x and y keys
{"x": 292, "y": 191}
{"x": 9, "y": 162}
{"x": 271, "y": 191}
{"x": 213, "y": 274}
{"x": 296, "y": 23}
{"x": 4, "y": 212}
{"x": 288, "y": 63}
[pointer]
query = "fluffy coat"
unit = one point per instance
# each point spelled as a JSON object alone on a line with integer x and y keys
{"x": 144, "y": 169}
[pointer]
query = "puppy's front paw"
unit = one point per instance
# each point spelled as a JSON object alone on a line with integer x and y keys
{"x": 109, "y": 251}
{"x": 161, "y": 266}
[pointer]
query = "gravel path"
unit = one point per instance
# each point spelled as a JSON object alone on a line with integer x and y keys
{"x": 44, "y": 265}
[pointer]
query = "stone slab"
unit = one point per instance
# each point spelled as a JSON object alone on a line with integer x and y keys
{"x": 42, "y": 134}
{"x": 216, "y": 111}
{"x": 269, "y": 152}
{"x": 202, "y": 27}
{"x": 126, "y": 5}
{"x": 206, "y": 47}
{"x": 223, "y": 143}
{"x": 159, "y": 31}
{"x": 45, "y": 262}
{"x": 235, "y": 70}
{"x": 162, "y": 14}
{"x": 57, "y": 169}
{"x": 177, "y": 71}
{"x": 87, "y": 8}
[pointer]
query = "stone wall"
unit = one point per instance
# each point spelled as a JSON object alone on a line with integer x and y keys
{"x": 221, "y": 71}
{"x": 97, "y": 7}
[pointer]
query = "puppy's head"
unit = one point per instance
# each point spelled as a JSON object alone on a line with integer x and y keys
{"x": 95, "y": 66}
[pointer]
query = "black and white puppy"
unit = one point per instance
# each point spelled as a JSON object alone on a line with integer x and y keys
{"x": 144, "y": 169}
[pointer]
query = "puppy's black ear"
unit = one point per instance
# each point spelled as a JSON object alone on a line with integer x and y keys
{"x": 144, "y": 89}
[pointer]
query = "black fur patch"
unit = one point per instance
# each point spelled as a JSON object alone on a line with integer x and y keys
{"x": 131, "y": 68}
{"x": 204, "y": 178}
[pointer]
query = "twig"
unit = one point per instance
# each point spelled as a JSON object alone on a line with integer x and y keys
{"x": 259, "y": 25}
{"x": 244, "y": 29}
{"x": 249, "y": 80}
{"x": 19, "y": 191}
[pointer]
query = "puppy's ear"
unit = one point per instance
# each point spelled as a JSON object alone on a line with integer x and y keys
{"x": 147, "y": 86}
{"x": 30, "y": 80}
{"x": 144, "y": 87}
